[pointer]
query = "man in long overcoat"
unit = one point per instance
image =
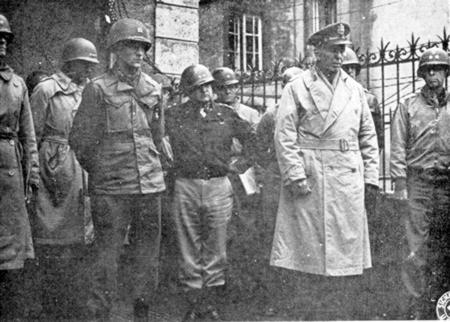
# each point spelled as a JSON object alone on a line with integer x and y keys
{"x": 19, "y": 170}
{"x": 61, "y": 207}
{"x": 327, "y": 151}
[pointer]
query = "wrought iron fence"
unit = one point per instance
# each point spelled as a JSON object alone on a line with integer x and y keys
{"x": 389, "y": 73}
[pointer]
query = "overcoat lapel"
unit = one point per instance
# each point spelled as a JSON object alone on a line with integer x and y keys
{"x": 339, "y": 101}
{"x": 321, "y": 94}
{"x": 316, "y": 100}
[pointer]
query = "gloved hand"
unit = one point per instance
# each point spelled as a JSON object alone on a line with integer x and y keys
{"x": 370, "y": 197}
{"x": 299, "y": 188}
{"x": 400, "y": 192}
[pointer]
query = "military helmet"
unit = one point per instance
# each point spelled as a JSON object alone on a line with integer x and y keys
{"x": 129, "y": 29}
{"x": 194, "y": 76}
{"x": 433, "y": 57}
{"x": 79, "y": 49}
{"x": 351, "y": 59}
{"x": 5, "y": 28}
{"x": 224, "y": 76}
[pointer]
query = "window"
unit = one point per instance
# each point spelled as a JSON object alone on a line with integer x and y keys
{"x": 244, "y": 43}
{"x": 323, "y": 13}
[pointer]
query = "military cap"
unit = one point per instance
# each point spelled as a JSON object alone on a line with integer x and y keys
{"x": 334, "y": 34}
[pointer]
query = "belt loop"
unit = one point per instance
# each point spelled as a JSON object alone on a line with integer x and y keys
{"x": 343, "y": 143}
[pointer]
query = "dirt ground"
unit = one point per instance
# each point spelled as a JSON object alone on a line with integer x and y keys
{"x": 253, "y": 287}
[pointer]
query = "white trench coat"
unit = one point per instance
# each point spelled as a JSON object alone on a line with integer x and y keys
{"x": 324, "y": 232}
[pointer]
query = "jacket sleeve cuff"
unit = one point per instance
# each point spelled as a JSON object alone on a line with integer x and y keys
{"x": 295, "y": 174}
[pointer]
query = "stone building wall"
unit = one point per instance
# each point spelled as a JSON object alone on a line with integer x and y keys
{"x": 42, "y": 26}
{"x": 176, "y": 35}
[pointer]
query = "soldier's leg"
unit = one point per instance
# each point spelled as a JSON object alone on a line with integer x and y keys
{"x": 272, "y": 279}
{"x": 145, "y": 237}
{"x": 438, "y": 256}
{"x": 217, "y": 208}
{"x": 188, "y": 224}
{"x": 110, "y": 214}
{"x": 416, "y": 225}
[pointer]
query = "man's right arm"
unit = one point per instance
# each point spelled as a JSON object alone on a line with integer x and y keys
{"x": 399, "y": 139}
{"x": 286, "y": 145}
{"x": 88, "y": 127}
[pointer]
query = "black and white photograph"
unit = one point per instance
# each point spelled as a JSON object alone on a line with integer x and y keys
{"x": 224, "y": 160}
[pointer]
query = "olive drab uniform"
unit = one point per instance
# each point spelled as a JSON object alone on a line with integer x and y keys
{"x": 112, "y": 138}
{"x": 420, "y": 152}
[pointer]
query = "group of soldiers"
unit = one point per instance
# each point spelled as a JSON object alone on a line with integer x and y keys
{"x": 99, "y": 152}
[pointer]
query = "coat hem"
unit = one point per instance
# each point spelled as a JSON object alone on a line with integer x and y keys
{"x": 325, "y": 272}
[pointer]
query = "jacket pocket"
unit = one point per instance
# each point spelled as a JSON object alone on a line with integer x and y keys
{"x": 118, "y": 110}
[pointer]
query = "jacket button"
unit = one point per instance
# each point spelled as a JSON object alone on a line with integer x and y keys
{"x": 11, "y": 173}
{"x": 11, "y": 142}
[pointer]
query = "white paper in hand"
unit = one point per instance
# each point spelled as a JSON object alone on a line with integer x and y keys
{"x": 248, "y": 180}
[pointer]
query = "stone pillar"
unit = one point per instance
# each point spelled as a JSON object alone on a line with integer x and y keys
{"x": 176, "y": 35}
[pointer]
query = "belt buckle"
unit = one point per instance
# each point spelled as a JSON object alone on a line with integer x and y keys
{"x": 344, "y": 146}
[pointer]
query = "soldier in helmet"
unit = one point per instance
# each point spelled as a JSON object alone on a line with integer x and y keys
{"x": 60, "y": 214}
{"x": 420, "y": 161}
{"x": 114, "y": 133}
{"x": 19, "y": 175}
{"x": 226, "y": 87}
{"x": 201, "y": 133}
{"x": 352, "y": 66}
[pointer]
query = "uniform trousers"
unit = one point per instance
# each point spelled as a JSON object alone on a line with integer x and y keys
{"x": 113, "y": 216}
{"x": 425, "y": 269}
{"x": 202, "y": 209}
